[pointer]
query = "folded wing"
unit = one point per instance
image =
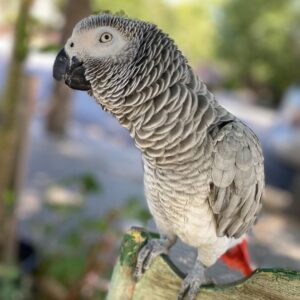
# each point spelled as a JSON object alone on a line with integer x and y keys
{"x": 237, "y": 178}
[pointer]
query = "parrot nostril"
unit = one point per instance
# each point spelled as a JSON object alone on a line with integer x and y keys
{"x": 72, "y": 45}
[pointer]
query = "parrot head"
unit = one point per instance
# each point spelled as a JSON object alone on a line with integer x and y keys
{"x": 102, "y": 54}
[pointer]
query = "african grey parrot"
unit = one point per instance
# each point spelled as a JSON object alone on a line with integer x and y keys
{"x": 203, "y": 167}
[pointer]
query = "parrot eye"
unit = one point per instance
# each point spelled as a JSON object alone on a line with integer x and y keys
{"x": 105, "y": 37}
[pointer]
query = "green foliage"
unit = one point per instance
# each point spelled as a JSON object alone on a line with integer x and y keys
{"x": 10, "y": 290}
{"x": 73, "y": 239}
{"x": 65, "y": 269}
{"x": 259, "y": 41}
{"x": 86, "y": 183}
{"x": 11, "y": 286}
{"x": 99, "y": 225}
{"x": 9, "y": 198}
{"x": 89, "y": 184}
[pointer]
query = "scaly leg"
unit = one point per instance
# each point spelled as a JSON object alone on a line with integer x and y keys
{"x": 152, "y": 249}
{"x": 193, "y": 281}
{"x": 208, "y": 254}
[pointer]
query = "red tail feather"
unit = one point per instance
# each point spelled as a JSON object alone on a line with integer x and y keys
{"x": 238, "y": 258}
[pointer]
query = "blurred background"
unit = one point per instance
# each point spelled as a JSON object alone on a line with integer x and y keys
{"x": 71, "y": 180}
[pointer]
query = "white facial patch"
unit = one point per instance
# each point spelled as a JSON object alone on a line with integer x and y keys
{"x": 89, "y": 43}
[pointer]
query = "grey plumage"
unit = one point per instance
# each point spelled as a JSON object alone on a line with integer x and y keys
{"x": 203, "y": 167}
{"x": 174, "y": 118}
{"x": 237, "y": 174}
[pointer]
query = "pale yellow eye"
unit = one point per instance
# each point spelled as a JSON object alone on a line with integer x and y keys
{"x": 105, "y": 37}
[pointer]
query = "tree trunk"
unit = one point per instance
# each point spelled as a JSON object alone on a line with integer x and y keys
{"x": 60, "y": 102}
{"x": 162, "y": 280}
{"x": 11, "y": 106}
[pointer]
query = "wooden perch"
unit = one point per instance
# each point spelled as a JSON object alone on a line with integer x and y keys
{"x": 163, "y": 279}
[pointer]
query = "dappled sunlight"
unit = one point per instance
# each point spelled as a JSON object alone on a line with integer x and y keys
{"x": 58, "y": 195}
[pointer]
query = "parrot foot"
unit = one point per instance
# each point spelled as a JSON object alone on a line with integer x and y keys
{"x": 192, "y": 283}
{"x": 149, "y": 252}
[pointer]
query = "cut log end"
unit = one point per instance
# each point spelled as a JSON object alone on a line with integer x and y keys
{"x": 163, "y": 279}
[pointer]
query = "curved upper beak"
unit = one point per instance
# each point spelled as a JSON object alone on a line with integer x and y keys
{"x": 61, "y": 65}
{"x": 71, "y": 71}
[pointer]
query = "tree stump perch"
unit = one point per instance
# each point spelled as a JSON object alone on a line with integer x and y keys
{"x": 163, "y": 279}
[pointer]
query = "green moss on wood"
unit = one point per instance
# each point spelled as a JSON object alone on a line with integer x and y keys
{"x": 132, "y": 242}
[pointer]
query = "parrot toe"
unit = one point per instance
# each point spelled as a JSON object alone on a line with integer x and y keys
{"x": 192, "y": 283}
{"x": 147, "y": 254}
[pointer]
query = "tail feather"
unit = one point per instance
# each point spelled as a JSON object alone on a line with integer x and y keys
{"x": 238, "y": 258}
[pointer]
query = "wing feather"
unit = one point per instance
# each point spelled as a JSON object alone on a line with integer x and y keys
{"x": 237, "y": 179}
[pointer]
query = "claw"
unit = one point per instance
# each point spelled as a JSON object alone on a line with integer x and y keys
{"x": 192, "y": 283}
{"x": 189, "y": 288}
{"x": 144, "y": 252}
{"x": 147, "y": 254}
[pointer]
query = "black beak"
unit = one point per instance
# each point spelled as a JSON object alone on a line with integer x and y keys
{"x": 72, "y": 72}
